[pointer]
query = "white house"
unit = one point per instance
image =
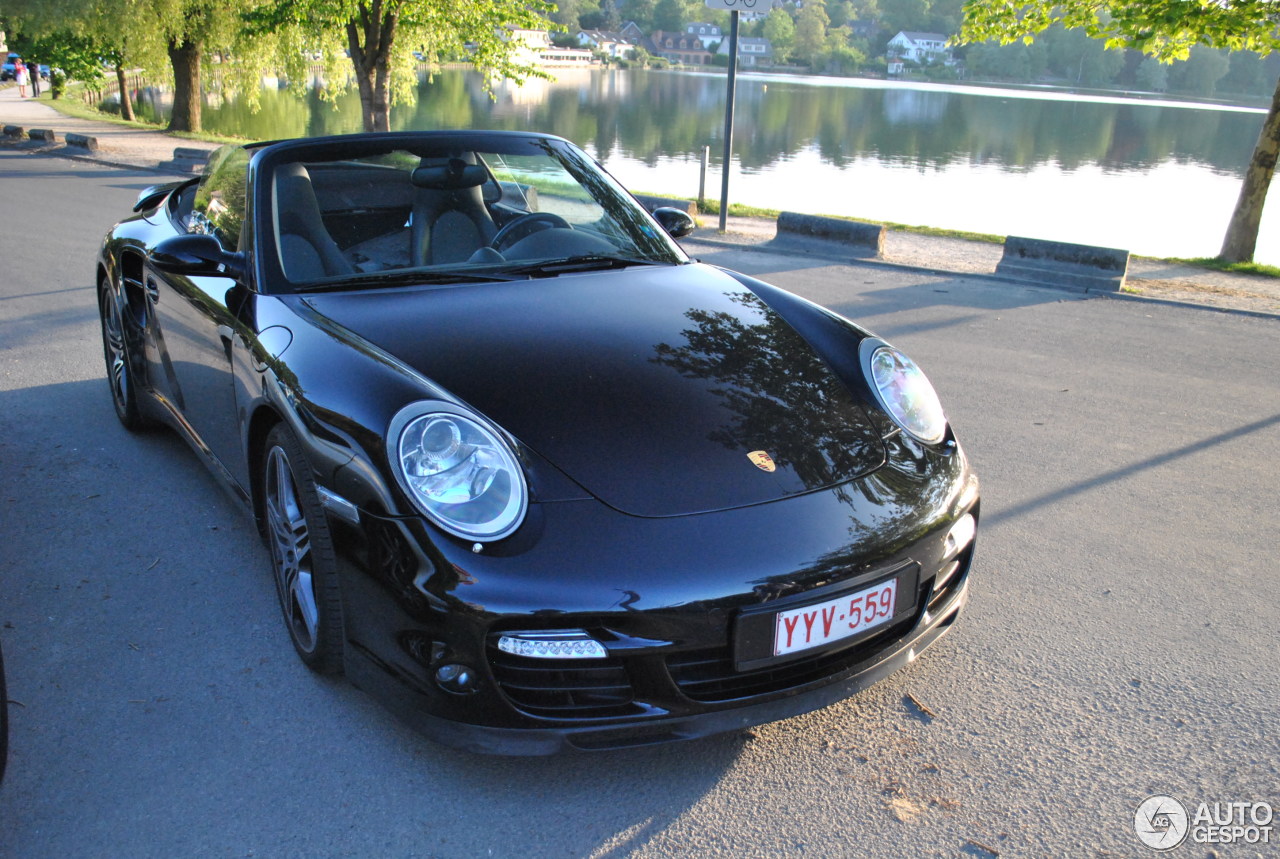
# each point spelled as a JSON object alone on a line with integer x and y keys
{"x": 708, "y": 34}
{"x": 612, "y": 45}
{"x": 534, "y": 46}
{"x": 922, "y": 48}
{"x": 751, "y": 51}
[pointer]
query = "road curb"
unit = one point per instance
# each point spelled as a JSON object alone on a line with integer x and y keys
{"x": 1000, "y": 278}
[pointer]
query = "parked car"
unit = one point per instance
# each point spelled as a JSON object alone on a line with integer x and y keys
{"x": 526, "y": 472}
{"x": 8, "y": 70}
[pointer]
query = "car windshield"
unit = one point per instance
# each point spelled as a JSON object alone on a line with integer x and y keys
{"x": 456, "y": 208}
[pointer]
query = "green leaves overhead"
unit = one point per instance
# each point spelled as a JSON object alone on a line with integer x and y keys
{"x": 1164, "y": 29}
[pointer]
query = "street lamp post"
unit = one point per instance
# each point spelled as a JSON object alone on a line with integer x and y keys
{"x": 733, "y": 7}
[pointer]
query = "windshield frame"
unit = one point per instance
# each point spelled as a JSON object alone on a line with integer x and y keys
{"x": 605, "y": 191}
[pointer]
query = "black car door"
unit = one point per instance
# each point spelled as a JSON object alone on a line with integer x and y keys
{"x": 197, "y": 321}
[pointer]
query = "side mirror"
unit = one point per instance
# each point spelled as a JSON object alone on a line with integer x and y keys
{"x": 678, "y": 224}
{"x": 195, "y": 254}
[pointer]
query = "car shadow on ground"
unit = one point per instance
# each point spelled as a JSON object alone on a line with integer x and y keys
{"x": 865, "y": 290}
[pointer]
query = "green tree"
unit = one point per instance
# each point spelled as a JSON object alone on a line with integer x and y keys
{"x": 1153, "y": 75}
{"x": 669, "y": 15}
{"x": 1200, "y": 72}
{"x": 1166, "y": 30}
{"x": 640, "y": 11}
{"x": 909, "y": 15}
{"x": 1081, "y": 60}
{"x": 154, "y": 34}
{"x": 77, "y": 37}
{"x": 811, "y": 31}
{"x": 565, "y": 15}
{"x": 840, "y": 56}
{"x": 839, "y": 12}
{"x": 380, "y": 37}
{"x": 780, "y": 30}
{"x": 1247, "y": 74}
{"x": 1021, "y": 63}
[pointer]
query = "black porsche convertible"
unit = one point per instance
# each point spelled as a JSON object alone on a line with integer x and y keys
{"x": 526, "y": 472}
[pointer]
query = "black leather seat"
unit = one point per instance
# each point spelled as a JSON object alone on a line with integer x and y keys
{"x": 307, "y": 251}
{"x": 450, "y": 220}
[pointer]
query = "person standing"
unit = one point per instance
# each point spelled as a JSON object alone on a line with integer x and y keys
{"x": 20, "y": 75}
{"x": 33, "y": 70}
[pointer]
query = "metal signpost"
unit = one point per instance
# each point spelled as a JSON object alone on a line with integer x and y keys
{"x": 733, "y": 7}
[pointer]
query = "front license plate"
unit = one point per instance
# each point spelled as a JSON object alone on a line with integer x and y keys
{"x": 816, "y": 625}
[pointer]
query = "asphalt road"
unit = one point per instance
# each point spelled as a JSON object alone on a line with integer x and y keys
{"x": 1120, "y": 642}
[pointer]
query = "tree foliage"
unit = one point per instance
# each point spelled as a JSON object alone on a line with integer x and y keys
{"x": 811, "y": 31}
{"x": 780, "y": 30}
{"x": 167, "y": 38}
{"x": 384, "y": 40}
{"x": 1166, "y": 30}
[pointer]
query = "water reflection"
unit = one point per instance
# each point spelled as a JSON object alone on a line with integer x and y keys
{"x": 1087, "y": 155}
{"x": 783, "y": 398}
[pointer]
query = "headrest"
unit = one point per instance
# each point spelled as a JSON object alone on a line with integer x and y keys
{"x": 451, "y": 176}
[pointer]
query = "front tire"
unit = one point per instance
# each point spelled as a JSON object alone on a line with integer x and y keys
{"x": 302, "y": 554}
{"x": 115, "y": 350}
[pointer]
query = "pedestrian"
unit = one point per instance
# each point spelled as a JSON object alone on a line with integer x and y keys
{"x": 33, "y": 69}
{"x": 20, "y": 75}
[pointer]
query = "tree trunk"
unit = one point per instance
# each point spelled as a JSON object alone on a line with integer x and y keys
{"x": 185, "y": 57}
{"x": 1242, "y": 232}
{"x": 126, "y": 103}
{"x": 369, "y": 40}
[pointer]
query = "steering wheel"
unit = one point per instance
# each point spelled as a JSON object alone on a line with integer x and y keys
{"x": 526, "y": 225}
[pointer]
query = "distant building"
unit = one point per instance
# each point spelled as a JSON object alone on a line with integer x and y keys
{"x": 708, "y": 34}
{"x": 921, "y": 48}
{"x": 632, "y": 33}
{"x": 679, "y": 48}
{"x": 534, "y": 47}
{"x": 751, "y": 51}
{"x": 610, "y": 44}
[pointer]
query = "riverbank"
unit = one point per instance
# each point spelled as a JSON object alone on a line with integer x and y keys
{"x": 135, "y": 146}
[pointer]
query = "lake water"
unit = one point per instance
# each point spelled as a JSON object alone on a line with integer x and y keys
{"x": 1152, "y": 176}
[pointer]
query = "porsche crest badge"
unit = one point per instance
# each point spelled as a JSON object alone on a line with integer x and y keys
{"x": 762, "y": 460}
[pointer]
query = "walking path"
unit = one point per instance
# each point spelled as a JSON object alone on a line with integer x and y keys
{"x": 146, "y": 149}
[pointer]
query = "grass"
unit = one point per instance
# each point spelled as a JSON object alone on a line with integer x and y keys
{"x": 69, "y": 105}
{"x": 1216, "y": 264}
{"x": 739, "y": 210}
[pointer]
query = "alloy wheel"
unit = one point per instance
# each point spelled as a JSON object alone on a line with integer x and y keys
{"x": 290, "y": 541}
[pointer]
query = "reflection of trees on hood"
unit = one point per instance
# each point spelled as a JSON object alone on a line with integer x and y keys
{"x": 783, "y": 397}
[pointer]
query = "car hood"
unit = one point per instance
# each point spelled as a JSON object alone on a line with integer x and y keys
{"x": 652, "y": 387}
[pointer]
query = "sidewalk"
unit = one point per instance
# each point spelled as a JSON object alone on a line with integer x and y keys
{"x": 118, "y": 144}
{"x": 1157, "y": 279}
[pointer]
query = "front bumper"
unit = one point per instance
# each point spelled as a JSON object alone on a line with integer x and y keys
{"x": 484, "y": 739}
{"x": 665, "y": 596}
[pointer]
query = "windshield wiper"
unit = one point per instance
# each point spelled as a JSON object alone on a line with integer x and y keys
{"x": 581, "y": 262}
{"x": 406, "y": 277}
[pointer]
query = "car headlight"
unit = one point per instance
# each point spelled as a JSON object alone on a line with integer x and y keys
{"x": 903, "y": 391}
{"x": 458, "y": 471}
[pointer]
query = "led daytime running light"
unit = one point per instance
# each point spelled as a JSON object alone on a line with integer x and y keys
{"x": 567, "y": 645}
